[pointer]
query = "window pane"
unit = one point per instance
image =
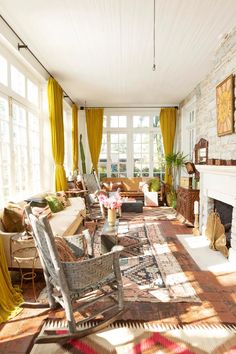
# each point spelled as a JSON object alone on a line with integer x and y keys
{"x": 122, "y": 121}
{"x": 3, "y": 71}
{"x": 17, "y": 81}
{"x": 156, "y": 121}
{"x": 140, "y": 121}
{"x": 67, "y": 116}
{"x": 114, "y": 122}
{"x": 4, "y": 109}
{"x": 104, "y": 121}
{"x": 32, "y": 92}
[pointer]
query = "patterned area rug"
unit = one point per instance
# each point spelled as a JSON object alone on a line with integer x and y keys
{"x": 147, "y": 339}
{"x": 150, "y": 271}
{"x": 151, "y": 214}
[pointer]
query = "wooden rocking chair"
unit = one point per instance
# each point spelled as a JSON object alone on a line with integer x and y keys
{"x": 83, "y": 283}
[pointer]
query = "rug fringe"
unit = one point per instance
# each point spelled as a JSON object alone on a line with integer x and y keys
{"x": 161, "y": 327}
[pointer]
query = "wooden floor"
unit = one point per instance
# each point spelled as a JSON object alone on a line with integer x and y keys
{"x": 216, "y": 291}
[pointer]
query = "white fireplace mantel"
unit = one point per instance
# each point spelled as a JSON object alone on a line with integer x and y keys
{"x": 218, "y": 182}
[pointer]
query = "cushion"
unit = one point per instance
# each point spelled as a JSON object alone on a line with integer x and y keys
{"x": 37, "y": 202}
{"x": 13, "y": 218}
{"x": 116, "y": 185}
{"x": 106, "y": 186}
{"x": 65, "y": 252}
{"x": 62, "y": 197}
{"x": 143, "y": 187}
{"x": 154, "y": 185}
{"x": 54, "y": 204}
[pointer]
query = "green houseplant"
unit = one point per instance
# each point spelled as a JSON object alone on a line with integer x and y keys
{"x": 174, "y": 161}
{"x": 82, "y": 155}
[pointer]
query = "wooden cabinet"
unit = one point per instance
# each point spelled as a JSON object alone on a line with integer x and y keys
{"x": 185, "y": 202}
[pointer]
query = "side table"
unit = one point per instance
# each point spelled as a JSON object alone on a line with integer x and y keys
{"x": 26, "y": 254}
{"x": 109, "y": 236}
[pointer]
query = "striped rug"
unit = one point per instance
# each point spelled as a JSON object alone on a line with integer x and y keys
{"x": 134, "y": 338}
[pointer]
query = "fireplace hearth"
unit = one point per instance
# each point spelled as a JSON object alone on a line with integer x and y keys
{"x": 218, "y": 183}
{"x": 225, "y": 213}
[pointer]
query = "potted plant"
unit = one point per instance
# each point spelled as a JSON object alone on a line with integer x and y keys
{"x": 174, "y": 161}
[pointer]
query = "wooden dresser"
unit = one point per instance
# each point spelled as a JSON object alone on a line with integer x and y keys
{"x": 185, "y": 202}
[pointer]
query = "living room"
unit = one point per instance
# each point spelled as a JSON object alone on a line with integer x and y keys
{"x": 159, "y": 76}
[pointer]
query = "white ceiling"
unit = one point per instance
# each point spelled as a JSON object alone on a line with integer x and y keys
{"x": 101, "y": 50}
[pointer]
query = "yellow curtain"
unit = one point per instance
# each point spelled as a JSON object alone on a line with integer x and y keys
{"x": 94, "y": 120}
{"x": 168, "y": 125}
{"x": 10, "y": 298}
{"x": 75, "y": 139}
{"x": 55, "y": 94}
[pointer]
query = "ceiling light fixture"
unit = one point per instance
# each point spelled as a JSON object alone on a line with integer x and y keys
{"x": 154, "y": 36}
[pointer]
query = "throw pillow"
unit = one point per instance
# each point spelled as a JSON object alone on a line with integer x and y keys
{"x": 13, "y": 218}
{"x": 62, "y": 197}
{"x": 36, "y": 202}
{"x": 116, "y": 185}
{"x": 154, "y": 185}
{"x": 54, "y": 204}
{"x": 143, "y": 187}
{"x": 65, "y": 252}
{"x": 106, "y": 186}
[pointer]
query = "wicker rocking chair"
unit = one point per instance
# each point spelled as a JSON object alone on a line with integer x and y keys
{"x": 83, "y": 283}
{"x": 91, "y": 185}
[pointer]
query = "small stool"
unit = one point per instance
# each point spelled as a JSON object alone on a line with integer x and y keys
{"x": 25, "y": 254}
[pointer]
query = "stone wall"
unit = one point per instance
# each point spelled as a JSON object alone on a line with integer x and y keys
{"x": 224, "y": 64}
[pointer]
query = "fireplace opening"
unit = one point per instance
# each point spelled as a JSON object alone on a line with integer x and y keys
{"x": 225, "y": 212}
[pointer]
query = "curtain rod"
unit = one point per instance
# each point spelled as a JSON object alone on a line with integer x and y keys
{"x": 82, "y": 108}
{"x": 24, "y": 46}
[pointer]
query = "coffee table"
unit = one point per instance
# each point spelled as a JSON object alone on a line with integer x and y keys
{"x": 135, "y": 206}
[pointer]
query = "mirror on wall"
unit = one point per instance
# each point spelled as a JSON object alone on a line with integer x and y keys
{"x": 201, "y": 152}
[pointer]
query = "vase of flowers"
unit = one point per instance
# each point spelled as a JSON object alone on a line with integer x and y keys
{"x": 111, "y": 216}
{"x": 112, "y": 203}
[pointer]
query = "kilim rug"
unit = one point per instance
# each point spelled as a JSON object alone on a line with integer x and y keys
{"x": 149, "y": 339}
{"x": 152, "y": 214}
{"x": 149, "y": 270}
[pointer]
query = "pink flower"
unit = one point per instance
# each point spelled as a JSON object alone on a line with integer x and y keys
{"x": 113, "y": 202}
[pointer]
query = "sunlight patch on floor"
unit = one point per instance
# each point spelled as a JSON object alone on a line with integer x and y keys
{"x": 206, "y": 259}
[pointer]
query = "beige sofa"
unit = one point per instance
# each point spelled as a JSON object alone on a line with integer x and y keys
{"x": 63, "y": 223}
{"x": 131, "y": 186}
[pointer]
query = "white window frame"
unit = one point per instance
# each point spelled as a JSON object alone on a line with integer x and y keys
{"x": 67, "y": 122}
{"x": 188, "y": 128}
{"x": 129, "y": 130}
{"x": 45, "y": 154}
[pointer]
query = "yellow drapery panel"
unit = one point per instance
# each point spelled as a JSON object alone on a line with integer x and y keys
{"x": 55, "y": 95}
{"x": 10, "y": 298}
{"x": 94, "y": 120}
{"x": 168, "y": 125}
{"x": 75, "y": 138}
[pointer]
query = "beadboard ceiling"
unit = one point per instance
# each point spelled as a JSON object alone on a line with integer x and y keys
{"x": 101, "y": 51}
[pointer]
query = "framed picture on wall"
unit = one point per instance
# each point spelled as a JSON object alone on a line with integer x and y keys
{"x": 225, "y": 106}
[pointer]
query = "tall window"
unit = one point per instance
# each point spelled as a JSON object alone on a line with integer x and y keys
{"x": 67, "y": 120}
{"x": 188, "y": 129}
{"x": 3, "y": 71}
{"x": 23, "y": 160}
{"x": 131, "y": 145}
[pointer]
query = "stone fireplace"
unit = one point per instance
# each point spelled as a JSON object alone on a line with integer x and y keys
{"x": 218, "y": 183}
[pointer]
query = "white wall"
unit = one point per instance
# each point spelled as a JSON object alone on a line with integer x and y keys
{"x": 206, "y": 127}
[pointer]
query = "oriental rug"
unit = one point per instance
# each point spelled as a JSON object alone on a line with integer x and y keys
{"x": 150, "y": 271}
{"x": 149, "y": 339}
